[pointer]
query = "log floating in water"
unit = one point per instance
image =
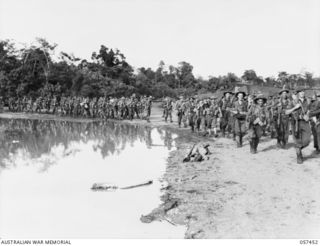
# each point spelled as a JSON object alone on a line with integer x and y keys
{"x": 103, "y": 186}
{"x": 108, "y": 187}
{"x": 138, "y": 185}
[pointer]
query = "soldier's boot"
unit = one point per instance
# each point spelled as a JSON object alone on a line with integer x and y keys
{"x": 215, "y": 132}
{"x": 278, "y": 143}
{"x": 252, "y": 146}
{"x": 234, "y": 137}
{"x": 192, "y": 127}
{"x": 284, "y": 144}
{"x": 198, "y": 127}
{"x": 316, "y": 145}
{"x": 256, "y": 145}
{"x": 179, "y": 121}
{"x": 299, "y": 156}
{"x": 238, "y": 141}
{"x": 241, "y": 142}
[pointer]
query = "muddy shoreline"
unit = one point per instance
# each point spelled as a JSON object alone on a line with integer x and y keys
{"x": 235, "y": 194}
{"x": 238, "y": 195}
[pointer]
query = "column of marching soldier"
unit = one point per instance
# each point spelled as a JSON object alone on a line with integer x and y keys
{"x": 238, "y": 114}
{"x": 97, "y": 107}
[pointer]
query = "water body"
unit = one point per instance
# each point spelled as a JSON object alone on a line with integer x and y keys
{"x": 48, "y": 167}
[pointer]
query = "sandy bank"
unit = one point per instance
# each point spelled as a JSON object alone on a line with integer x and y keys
{"x": 239, "y": 195}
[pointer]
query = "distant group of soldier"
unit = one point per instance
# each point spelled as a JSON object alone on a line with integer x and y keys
{"x": 130, "y": 108}
{"x": 237, "y": 114}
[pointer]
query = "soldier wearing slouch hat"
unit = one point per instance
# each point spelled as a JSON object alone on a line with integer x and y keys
{"x": 257, "y": 118}
{"x": 302, "y": 131}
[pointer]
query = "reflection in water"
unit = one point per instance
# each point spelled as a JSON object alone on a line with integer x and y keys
{"x": 38, "y": 137}
{"x": 59, "y": 203}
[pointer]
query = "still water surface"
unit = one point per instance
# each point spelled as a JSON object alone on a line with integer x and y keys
{"x": 48, "y": 167}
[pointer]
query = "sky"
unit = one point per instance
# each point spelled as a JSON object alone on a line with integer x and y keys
{"x": 215, "y": 36}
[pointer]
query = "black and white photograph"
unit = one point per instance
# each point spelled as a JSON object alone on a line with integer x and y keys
{"x": 159, "y": 119}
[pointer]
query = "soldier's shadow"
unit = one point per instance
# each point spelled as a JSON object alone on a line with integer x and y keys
{"x": 313, "y": 155}
{"x": 264, "y": 139}
{"x": 274, "y": 146}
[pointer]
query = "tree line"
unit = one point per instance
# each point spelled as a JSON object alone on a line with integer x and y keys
{"x": 35, "y": 70}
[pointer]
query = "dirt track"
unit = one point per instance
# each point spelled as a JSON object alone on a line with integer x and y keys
{"x": 239, "y": 195}
{"x": 236, "y": 194}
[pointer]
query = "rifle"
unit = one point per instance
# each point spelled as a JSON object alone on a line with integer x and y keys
{"x": 273, "y": 106}
{"x": 314, "y": 113}
{"x": 296, "y": 126}
{"x": 279, "y": 117}
{"x": 220, "y": 111}
{"x": 186, "y": 159}
{"x": 306, "y": 113}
